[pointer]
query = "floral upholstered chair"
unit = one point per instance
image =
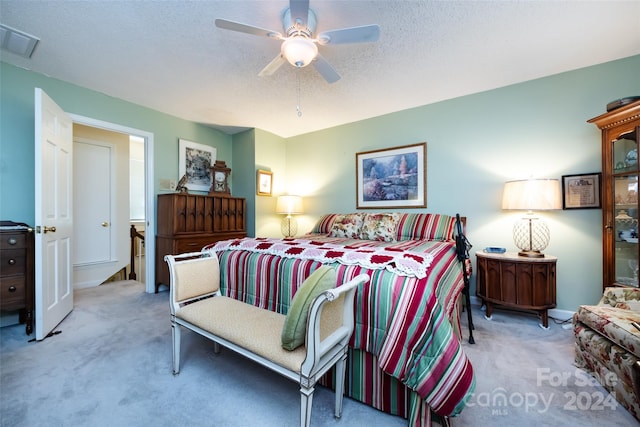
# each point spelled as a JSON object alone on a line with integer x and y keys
{"x": 608, "y": 344}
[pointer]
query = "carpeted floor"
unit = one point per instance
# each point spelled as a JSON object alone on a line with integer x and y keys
{"x": 111, "y": 365}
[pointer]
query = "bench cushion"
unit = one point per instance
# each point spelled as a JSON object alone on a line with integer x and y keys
{"x": 295, "y": 325}
{"x": 250, "y": 327}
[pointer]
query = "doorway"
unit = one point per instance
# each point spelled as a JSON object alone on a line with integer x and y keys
{"x": 148, "y": 206}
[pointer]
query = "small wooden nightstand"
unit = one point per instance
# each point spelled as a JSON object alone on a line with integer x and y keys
{"x": 517, "y": 282}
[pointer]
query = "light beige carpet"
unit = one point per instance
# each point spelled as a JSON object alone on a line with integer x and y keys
{"x": 111, "y": 366}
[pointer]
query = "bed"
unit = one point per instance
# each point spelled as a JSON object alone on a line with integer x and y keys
{"x": 405, "y": 356}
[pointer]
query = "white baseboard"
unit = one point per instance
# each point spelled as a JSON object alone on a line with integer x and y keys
{"x": 555, "y": 313}
{"x": 561, "y": 315}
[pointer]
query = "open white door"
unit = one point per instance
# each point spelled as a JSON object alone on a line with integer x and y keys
{"x": 53, "y": 214}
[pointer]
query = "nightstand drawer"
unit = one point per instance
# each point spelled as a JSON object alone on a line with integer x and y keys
{"x": 12, "y": 293}
{"x": 13, "y": 262}
{"x": 13, "y": 241}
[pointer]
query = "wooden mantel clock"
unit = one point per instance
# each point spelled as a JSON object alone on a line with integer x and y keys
{"x": 220, "y": 179}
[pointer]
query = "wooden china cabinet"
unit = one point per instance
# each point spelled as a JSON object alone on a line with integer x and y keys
{"x": 188, "y": 222}
{"x": 620, "y": 129}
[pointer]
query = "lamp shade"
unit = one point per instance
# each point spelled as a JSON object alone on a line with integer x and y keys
{"x": 289, "y": 205}
{"x": 299, "y": 51}
{"x": 532, "y": 194}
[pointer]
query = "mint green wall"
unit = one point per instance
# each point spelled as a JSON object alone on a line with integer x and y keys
{"x": 270, "y": 156}
{"x": 243, "y": 171}
{"x": 474, "y": 144}
{"x": 255, "y": 150}
{"x": 17, "y": 133}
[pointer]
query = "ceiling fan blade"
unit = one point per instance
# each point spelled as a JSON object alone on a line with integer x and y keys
{"x": 272, "y": 66}
{"x": 325, "y": 69}
{"x": 299, "y": 10}
{"x": 364, "y": 34}
{"x": 248, "y": 29}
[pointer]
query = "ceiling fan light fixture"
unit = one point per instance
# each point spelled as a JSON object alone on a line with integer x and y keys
{"x": 299, "y": 51}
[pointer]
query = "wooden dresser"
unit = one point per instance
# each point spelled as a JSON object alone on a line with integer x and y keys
{"x": 188, "y": 222}
{"x": 17, "y": 279}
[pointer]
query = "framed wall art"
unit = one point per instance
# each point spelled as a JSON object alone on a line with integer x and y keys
{"x": 264, "y": 183}
{"x": 581, "y": 191}
{"x": 195, "y": 160}
{"x": 392, "y": 178}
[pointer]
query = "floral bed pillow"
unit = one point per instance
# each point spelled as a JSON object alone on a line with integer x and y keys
{"x": 347, "y": 225}
{"x": 380, "y": 227}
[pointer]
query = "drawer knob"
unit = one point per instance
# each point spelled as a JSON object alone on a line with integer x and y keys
{"x": 13, "y": 241}
{"x": 12, "y": 288}
{"x": 12, "y": 261}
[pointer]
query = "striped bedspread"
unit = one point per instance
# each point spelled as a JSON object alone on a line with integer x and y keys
{"x": 404, "y": 321}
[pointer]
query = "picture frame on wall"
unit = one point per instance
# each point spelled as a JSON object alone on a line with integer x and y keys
{"x": 392, "y": 178}
{"x": 581, "y": 191}
{"x": 264, "y": 183}
{"x": 195, "y": 160}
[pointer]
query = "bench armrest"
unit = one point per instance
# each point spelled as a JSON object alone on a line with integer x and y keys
{"x": 331, "y": 314}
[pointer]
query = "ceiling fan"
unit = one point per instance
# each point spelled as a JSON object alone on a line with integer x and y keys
{"x": 299, "y": 46}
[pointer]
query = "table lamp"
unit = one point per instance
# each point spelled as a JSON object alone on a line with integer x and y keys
{"x": 531, "y": 234}
{"x": 289, "y": 205}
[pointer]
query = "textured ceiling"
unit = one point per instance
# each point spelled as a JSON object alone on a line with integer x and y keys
{"x": 169, "y": 56}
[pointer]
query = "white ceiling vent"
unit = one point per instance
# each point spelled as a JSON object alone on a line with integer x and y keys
{"x": 17, "y": 42}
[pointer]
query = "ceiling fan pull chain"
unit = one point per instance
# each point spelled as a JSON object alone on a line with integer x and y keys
{"x": 298, "y": 110}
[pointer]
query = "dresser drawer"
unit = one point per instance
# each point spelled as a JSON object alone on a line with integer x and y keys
{"x": 13, "y": 262}
{"x": 12, "y": 293}
{"x": 194, "y": 244}
{"x": 13, "y": 241}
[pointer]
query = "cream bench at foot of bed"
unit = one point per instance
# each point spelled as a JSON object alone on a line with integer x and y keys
{"x": 256, "y": 333}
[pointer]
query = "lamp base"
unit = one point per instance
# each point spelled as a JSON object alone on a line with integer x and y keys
{"x": 531, "y": 254}
{"x": 289, "y": 227}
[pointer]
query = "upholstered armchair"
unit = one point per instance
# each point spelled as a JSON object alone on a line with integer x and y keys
{"x": 608, "y": 344}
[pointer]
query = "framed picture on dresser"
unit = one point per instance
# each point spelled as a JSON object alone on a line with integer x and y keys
{"x": 195, "y": 160}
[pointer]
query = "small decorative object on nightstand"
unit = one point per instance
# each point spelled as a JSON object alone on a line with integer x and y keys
{"x": 220, "y": 179}
{"x": 518, "y": 282}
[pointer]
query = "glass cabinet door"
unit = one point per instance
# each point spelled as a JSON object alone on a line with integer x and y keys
{"x": 625, "y": 209}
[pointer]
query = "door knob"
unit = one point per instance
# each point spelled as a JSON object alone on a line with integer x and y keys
{"x": 51, "y": 229}
{"x": 105, "y": 224}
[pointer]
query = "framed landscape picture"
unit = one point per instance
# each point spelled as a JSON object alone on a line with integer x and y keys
{"x": 195, "y": 161}
{"x": 392, "y": 178}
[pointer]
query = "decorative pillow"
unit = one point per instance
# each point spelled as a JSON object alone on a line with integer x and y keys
{"x": 295, "y": 324}
{"x": 324, "y": 224}
{"x": 614, "y": 295}
{"x": 426, "y": 227}
{"x": 629, "y": 305}
{"x": 379, "y": 226}
{"x": 347, "y": 225}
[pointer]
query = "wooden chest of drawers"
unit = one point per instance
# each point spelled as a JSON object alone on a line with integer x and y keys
{"x": 188, "y": 222}
{"x": 17, "y": 271}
